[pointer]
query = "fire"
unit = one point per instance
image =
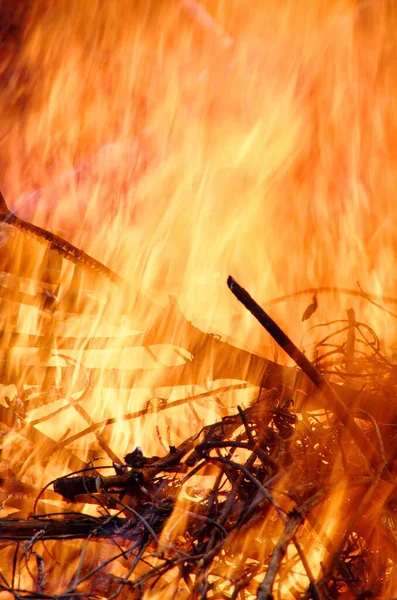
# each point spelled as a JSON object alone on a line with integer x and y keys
{"x": 177, "y": 142}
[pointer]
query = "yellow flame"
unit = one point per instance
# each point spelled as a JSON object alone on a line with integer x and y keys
{"x": 178, "y": 142}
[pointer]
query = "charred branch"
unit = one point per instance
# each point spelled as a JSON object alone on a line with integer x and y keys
{"x": 334, "y": 402}
{"x": 58, "y": 244}
{"x": 68, "y": 528}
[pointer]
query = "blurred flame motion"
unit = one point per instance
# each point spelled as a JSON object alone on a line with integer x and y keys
{"x": 178, "y": 142}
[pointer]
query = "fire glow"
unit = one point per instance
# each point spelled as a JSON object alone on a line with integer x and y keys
{"x": 177, "y": 142}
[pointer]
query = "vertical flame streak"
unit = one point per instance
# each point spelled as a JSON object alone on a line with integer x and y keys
{"x": 177, "y": 141}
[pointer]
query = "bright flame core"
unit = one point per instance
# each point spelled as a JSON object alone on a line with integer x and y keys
{"x": 178, "y": 145}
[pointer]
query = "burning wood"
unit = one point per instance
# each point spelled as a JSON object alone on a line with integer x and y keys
{"x": 155, "y": 441}
{"x": 56, "y": 243}
{"x": 143, "y": 501}
{"x": 275, "y": 469}
{"x": 283, "y": 480}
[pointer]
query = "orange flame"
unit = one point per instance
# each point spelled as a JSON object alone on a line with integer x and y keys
{"x": 178, "y": 142}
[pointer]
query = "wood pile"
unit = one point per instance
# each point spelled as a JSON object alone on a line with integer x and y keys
{"x": 291, "y": 495}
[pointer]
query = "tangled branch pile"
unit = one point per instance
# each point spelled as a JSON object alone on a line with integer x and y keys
{"x": 273, "y": 499}
{"x": 279, "y": 498}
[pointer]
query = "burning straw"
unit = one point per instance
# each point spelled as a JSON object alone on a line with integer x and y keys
{"x": 265, "y": 524}
{"x": 175, "y": 463}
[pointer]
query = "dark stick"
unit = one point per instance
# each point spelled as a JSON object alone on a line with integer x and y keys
{"x": 58, "y": 244}
{"x": 212, "y": 357}
{"x": 67, "y": 528}
{"x": 70, "y": 487}
{"x": 335, "y": 404}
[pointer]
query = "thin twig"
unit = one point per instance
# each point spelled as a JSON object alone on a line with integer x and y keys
{"x": 371, "y": 299}
{"x": 295, "y": 520}
{"x": 334, "y": 402}
{"x": 332, "y": 290}
{"x": 58, "y": 244}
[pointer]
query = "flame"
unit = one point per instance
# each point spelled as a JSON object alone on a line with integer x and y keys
{"x": 178, "y": 142}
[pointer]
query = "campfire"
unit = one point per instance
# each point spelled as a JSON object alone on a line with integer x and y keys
{"x": 198, "y": 369}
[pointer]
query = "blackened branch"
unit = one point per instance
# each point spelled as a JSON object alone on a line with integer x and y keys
{"x": 334, "y": 402}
